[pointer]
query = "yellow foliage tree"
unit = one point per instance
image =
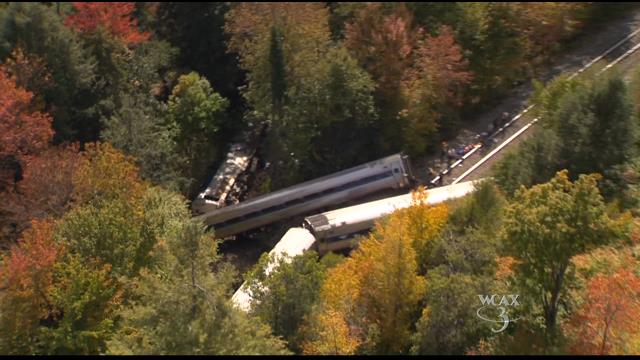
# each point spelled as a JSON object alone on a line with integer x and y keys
{"x": 370, "y": 298}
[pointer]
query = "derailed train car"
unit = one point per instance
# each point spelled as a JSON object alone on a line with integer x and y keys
{"x": 338, "y": 229}
{"x": 335, "y": 229}
{"x": 390, "y": 172}
{"x": 215, "y": 195}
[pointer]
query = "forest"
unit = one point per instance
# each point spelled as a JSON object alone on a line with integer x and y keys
{"x": 113, "y": 116}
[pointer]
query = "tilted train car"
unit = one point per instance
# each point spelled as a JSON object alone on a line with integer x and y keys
{"x": 334, "y": 230}
{"x": 390, "y": 172}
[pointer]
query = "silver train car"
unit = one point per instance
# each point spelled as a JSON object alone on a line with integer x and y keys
{"x": 335, "y": 229}
{"x": 390, "y": 172}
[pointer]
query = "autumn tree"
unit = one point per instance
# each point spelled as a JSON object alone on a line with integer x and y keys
{"x": 27, "y": 278}
{"x": 30, "y": 72}
{"x": 384, "y": 44}
{"x": 376, "y": 291}
{"x": 53, "y": 303}
{"x": 605, "y": 323}
{"x": 335, "y": 326}
{"x": 435, "y": 88}
{"x": 109, "y": 221}
{"x": 86, "y": 297}
{"x": 24, "y": 131}
{"x": 45, "y": 191}
{"x": 546, "y": 25}
{"x": 420, "y": 77}
{"x": 545, "y": 226}
{"x": 115, "y": 18}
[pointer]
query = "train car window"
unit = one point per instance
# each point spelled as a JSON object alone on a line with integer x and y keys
{"x": 396, "y": 170}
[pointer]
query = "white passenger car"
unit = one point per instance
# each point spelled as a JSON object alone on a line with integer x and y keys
{"x": 334, "y": 230}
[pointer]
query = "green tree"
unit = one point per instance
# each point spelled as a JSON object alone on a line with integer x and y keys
{"x": 137, "y": 129}
{"x": 71, "y": 96}
{"x": 182, "y": 25}
{"x": 283, "y": 298}
{"x": 183, "y": 308}
{"x": 459, "y": 263}
{"x": 112, "y": 231}
{"x": 449, "y": 324}
{"x": 576, "y": 117}
{"x": 196, "y": 111}
{"x": 533, "y": 162}
{"x": 85, "y": 297}
{"x": 545, "y": 226}
{"x": 108, "y": 220}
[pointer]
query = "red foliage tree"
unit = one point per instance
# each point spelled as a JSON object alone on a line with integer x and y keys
{"x": 608, "y": 318}
{"x": 382, "y": 44}
{"x": 439, "y": 60}
{"x": 116, "y": 18}
{"x": 23, "y": 131}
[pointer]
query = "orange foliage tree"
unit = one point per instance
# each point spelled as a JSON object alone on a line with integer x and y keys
{"x": 116, "y": 18}
{"x": 607, "y": 322}
{"x": 30, "y": 72}
{"x": 546, "y": 24}
{"x": 26, "y": 278}
{"x": 433, "y": 86}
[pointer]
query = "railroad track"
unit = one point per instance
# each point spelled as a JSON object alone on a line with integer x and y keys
{"x": 516, "y": 128}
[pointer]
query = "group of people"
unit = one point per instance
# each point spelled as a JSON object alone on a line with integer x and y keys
{"x": 451, "y": 154}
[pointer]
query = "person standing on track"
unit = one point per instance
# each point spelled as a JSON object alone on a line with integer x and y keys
{"x": 443, "y": 152}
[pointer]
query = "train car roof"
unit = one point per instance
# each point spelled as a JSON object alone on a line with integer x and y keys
{"x": 378, "y": 208}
